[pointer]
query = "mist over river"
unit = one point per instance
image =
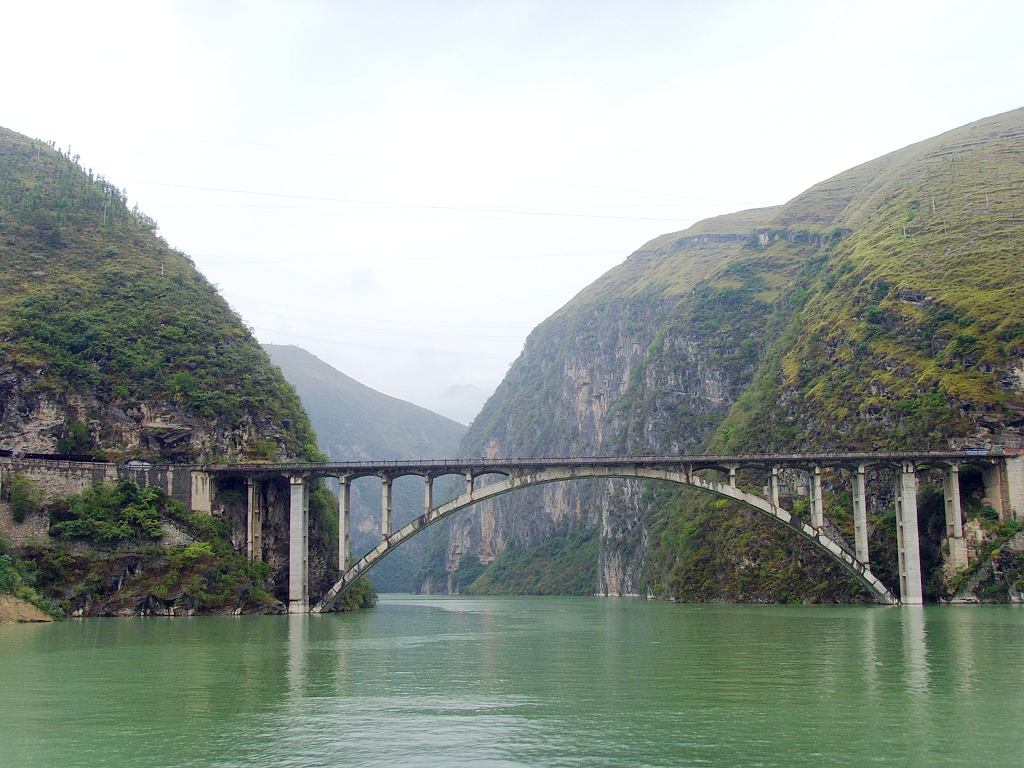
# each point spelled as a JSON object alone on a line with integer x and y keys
{"x": 460, "y": 681}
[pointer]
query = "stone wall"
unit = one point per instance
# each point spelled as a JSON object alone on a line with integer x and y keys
{"x": 61, "y": 479}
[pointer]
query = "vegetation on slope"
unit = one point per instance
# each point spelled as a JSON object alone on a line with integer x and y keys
{"x": 18, "y": 579}
{"x": 93, "y": 302}
{"x": 566, "y": 565}
{"x": 900, "y": 331}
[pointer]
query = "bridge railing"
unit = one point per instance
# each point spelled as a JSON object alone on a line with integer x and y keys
{"x": 482, "y": 463}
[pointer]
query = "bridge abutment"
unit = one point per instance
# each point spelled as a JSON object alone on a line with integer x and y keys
{"x": 1004, "y": 487}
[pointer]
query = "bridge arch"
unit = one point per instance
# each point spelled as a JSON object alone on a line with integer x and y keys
{"x": 517, "y": 480}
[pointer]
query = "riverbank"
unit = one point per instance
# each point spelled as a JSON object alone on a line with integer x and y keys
{"x": 15, "y": 611}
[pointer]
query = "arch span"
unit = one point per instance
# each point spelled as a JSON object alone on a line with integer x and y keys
{"x": 516, "y": 481}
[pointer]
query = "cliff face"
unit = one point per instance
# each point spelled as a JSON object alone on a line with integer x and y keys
{"x": 878, "y": 309}
{"x": 566, "y": 395}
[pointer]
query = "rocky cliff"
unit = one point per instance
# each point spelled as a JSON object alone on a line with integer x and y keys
{"x": 880, "y": 308}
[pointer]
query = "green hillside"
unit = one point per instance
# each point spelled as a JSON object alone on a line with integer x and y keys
{"x": 878, "y": 309}
{"x": 100, "y": 319}
{"x": 113, "y": 344}
{"x": 354, "y": 421}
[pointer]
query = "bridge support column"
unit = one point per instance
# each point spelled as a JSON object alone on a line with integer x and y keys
{"x": 732, "y": 476}
{"x": 254, "y": 519}
{"x": 344, "y": 523}
{"x": 201, "y": 496}
{"x": 997, "y": 489}
{"x": 428, "y": 494}
{"x": 1013, "y": 471}
{"x": 469, "y": 481}
{"x": 385, "y": 507}
{"x": 860, "y": 515}
{"x": 298, "y": 546}
{"x": 773, "y": 486}
{"x": 954, "y": 518}
{"x": 817, "y": 507}
{"x": 907, "y": 541}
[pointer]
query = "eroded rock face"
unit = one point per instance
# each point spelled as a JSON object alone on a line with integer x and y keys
{"x": 573, "y": 417}
{"x": 32, "y": 421}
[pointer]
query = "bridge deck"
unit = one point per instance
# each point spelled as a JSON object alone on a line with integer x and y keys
{"x": 484, "y": 465}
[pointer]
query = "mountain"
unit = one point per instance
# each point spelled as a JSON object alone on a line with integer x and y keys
{"x": 102, "y": 323}
{"x": 878, "y": 309}
{"x": 356, "y": 422}
{"x": 112, "y": 344}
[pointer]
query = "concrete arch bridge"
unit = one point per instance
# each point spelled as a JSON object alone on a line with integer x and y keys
{"x": 724, "y": 476}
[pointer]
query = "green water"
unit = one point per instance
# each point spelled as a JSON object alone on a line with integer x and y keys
{"x": 423, "y": 681}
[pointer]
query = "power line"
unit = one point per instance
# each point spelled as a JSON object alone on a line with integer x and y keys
{"x": 343, "y": 259}
{"x": 379, "y": 348}
{"x": 404, "y": 206}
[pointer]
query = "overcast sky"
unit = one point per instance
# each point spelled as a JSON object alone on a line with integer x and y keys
{"x": 407, "y": 189}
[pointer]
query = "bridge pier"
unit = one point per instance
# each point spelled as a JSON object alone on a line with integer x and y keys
{"x": 469, "y": 481}
{"x": 385, "y": 506}
{"x": 1014, "y": 472}
{"x": 298, "y": 546}
{"x": 817, "y": 507}
{"x": 860, "y": 514}
{"x": 773, "y": 486}
{"x": 907, "y": 541}
{"x": 344, "y": 523}
{"x": 201, "y": 496}
{"x": 994, "y": 478}
{"x": 254, "y": 519}
{"x": 954, "y": 518}
{"x": 428, "y": 494}
{"x": 1004, "y": 487}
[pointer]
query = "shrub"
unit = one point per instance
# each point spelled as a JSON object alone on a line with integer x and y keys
{"x": 109, "y": 513}
{"x": 76, "y": 440}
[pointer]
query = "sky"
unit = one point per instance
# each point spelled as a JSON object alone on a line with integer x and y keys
{"x": 406, "y": 189}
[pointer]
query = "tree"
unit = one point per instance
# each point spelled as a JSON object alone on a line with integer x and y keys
{"x": 76, "y": 440}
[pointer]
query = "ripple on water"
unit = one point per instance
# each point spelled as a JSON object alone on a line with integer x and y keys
{"x": 520, "y": 681}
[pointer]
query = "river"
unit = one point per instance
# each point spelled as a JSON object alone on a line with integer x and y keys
{"x": 428, "y": 681}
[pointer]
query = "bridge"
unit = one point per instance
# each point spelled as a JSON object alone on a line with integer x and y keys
{"x": 728, "y": 477}
{"x": 759, "y": 482}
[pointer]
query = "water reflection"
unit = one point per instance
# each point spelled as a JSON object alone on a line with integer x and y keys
{"x": 868, "y": 655}
{"x": 962, "y": 638}
{"x": 481, "y": 681}
{"x": 915, "y": 649}
{"x": 298, "y": 637}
